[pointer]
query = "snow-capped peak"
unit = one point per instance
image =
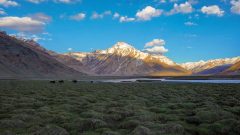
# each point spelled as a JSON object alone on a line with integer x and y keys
{"x": 122, "y": 45}
{"x": 121, "y": 48}
{"x": 202, "y": 65}
{"x": 124, "y": 50}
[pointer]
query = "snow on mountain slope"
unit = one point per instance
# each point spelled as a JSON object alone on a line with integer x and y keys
{"x": 124, "y": 59}
{"x": 123, "y": 49}
{"x": 204, "y": 65}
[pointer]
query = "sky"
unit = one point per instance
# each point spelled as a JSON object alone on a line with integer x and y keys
{"x": 183, "y": 30}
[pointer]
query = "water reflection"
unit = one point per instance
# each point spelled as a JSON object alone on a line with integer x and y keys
{"x": 167, "y": 80}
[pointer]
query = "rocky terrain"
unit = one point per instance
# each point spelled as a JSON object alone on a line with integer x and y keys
{"x": 123, "y": 59}
{"x": 26, "y": 59}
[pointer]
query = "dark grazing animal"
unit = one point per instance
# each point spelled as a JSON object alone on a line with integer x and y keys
{"x": 61, "y": 81}
{"x": 52, "y": 81}
{"x": 74, "y": 81}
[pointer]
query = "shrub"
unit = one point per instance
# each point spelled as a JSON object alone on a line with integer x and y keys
{"x": 94, "y": 123}
{"x": 51, "y": 130}
{"x": 130, "y": 124}
{"x": 110, "y": 133}
{"x": 141, "y": 130}
{"x": 193, "y": 120}
{"x": 213, "y": 115}
{"x": 172, "y": 128}
{"x": 12, "y": 124}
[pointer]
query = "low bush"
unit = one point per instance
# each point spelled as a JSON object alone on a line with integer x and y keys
{"x": 38, "y": 107}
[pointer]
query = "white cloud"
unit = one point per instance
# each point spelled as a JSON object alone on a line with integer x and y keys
{"x": 2, "y": 12}
{"x": 116, "y": 15}
{"x": 235, "y": 6}
{"x": 41, "y": 17}
{"x": 46, "y": 33}
{"x": 156, "y": 46}
{"x": 173, "y": 0}
{"x": 24, "y": 36}
{"x": 107, "y": 12}
{"x": 162, "y": 1}
{"x": 155, "y": 42}
{"x": 156, "y": 50}
{"x": 36, "y": 1}
{"x": 67, "y": 1}
{"x": 193, "y": 1}
{"x": 8, "y": 3}
{"x": 37, "y": 38}
{"x": 126, "y": 19}
{"x": 34, "y": 37}
{"x": 148, "y": 13}
{"x": 190, "y": 23}
{"x": 78, "y": 17}
{"x": 26, "y": 24}
{"x": 184, "y": 8}
{"x": 212, "y": 10}
{"x": 96, "y": 15}
{"x": 165, "y": 1}
{"x": 56, "y": 1}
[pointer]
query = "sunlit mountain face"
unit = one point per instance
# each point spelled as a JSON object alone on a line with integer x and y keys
{"x": 151, "y": 37}
{"x": 123, "y": 59}
{"x": 206, "y": 65}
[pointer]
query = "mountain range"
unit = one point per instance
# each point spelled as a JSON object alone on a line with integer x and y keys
{"x": 123, "y": 59}
{"x": 26, "y": 58}
{"x": 210, "y": 67}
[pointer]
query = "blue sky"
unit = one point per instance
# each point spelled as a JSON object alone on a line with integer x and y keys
{"x": 191, "y": 30}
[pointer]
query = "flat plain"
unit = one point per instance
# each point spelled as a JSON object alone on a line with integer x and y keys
{"x": 43, "y": 108}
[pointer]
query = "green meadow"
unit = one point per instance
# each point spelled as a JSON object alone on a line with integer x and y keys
{"x": 42, "y": 108}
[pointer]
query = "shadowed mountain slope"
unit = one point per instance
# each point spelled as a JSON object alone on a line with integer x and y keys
{"x": 233, "y": 70}
{"x": 214, "y": 70}
{"x": 210, "y": 67}
{"x": 26, "y": 59}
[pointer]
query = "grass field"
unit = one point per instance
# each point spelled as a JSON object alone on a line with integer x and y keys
{"x": 41, "y": 108}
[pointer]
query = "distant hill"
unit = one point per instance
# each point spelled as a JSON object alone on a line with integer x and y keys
{"x": 214, "y": 70}
{"x": 210, "y": 67}
{"x": 233, "y": 70}
{"x": 70, "y": 62}
{"x": 26, "y": 59}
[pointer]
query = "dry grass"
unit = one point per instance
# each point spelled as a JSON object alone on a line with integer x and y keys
{"x": 38, "y": 107}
